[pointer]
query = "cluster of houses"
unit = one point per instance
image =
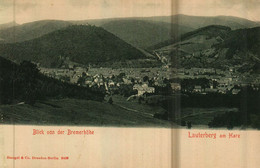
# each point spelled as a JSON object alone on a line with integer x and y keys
{"x": 143, "y": 88}
{"x": 109, "y": 81}
{"x": 81, "y": 77}
{"x": 219, "y": 89}
{"x": 228, "y": 81}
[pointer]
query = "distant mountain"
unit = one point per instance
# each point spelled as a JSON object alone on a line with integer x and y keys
{"x": 138, "y": 33}
{"x": 143, "y": 34}
{"x": 32, "y": 30}
{"x": 213, "y": 30}
{"x": 193, "y": 22}
{"x": 8, "y": 25}
{"x": 202, "y": 21}
{"x": 214, "y": 46}
{"x": 80, "y": 44}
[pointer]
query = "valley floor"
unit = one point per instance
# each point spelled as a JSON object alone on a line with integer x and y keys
{"x": 121, "y": 113}
{"x": 82, "y": 112}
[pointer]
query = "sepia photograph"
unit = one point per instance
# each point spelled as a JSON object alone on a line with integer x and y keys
{"x": 172, "y": 64}
{"x": 129, "y": 83}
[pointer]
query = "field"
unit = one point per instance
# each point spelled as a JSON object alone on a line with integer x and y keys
{"x": 82, "y": 112}
{"x": 202, "y": 116}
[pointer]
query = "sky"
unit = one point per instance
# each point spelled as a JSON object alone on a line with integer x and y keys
{"x": 22, "y": 11}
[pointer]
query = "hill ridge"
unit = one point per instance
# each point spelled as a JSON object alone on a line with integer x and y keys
{"x": 78, "y": 43}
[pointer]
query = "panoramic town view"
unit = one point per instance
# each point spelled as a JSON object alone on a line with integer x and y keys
{"x": 178, "y": 71}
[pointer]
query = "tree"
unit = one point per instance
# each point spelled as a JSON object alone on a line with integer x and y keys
{"x": 121, "y": 75}
{"x": 132, "y": 80}
{"x": 145, "y": 78}
{"x": 84, "y": 74}
{"x": 189, "y": 125}
{"x": 183, "y": 123}
{"x": 140, "y": 99}
{"x": 81, "y": 81}
{"x": 110, "y": 100}
{"x": 29, "y": 72}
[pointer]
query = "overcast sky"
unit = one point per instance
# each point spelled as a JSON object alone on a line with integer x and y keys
{"x": 30, "y": 10}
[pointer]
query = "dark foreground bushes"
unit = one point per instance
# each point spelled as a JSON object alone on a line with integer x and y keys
{"x": 24, "y": 83}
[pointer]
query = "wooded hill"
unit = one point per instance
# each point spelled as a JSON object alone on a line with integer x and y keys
{"x": 215, "y": 46}
{"x": 78, "y": 43}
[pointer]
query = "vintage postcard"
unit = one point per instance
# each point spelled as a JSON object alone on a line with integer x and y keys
{"x": 129, "y": 83}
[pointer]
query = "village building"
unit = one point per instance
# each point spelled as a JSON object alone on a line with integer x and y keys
{"x": 127, "y": 81}
{"x": 176, "y": 86}
{"x": 235, "y": 91}
{"x": 144, "y": 88}
{"x": 211, "y": 90}
{"x": 197, "y": 89}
